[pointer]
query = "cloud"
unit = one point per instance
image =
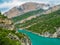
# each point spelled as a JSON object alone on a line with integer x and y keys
{"x": 8, "y": 4}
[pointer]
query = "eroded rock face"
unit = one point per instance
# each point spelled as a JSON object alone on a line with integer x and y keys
{"x": 26, "y": 7}
{"x": 6, "y": 24}
{"x": 58, "y": 32}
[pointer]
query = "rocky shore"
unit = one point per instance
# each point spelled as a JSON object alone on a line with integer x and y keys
{"x": 49, "y": 35}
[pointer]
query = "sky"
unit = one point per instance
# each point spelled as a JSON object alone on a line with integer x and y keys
{"x": 6, "y": 5}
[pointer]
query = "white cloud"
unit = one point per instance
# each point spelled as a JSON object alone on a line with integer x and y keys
{"x": 13, "y": 3}
{"x": 10, "y": 4}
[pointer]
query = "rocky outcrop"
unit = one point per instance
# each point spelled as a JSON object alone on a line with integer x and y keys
{"x": 6, "y": 24}
{"x": 54, "y": 35}
{"x": 6, "y": 21}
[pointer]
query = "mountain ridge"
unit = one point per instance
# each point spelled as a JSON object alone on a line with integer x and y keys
{"x": 26, "y": 7}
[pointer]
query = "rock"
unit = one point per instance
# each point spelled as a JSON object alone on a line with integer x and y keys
{"x": 58, "y": 32}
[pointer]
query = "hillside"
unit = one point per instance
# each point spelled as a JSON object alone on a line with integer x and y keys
{"x": 5, "y": 38}
{"x": 42, "y": 24}
{"x": 5, "y": 22}
{"x": 26, "y": 7}
{"x": 36, "y": 12}
{"x": 9, "y": 35}
{"x": 26, "y": 15}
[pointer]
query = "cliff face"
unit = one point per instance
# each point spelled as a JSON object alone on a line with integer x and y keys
{"x": 6, "y": 24}
{"x": 26, "y": 7}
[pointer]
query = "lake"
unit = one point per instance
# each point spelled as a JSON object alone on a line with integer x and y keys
{"x": 39, "y": 40}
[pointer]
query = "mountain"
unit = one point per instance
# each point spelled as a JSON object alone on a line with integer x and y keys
{"x": 26, "y": 7}
{"x": 35, "y": 13}
{"x": 27, "y": 15}
{"x": 52, "y": 9}
{"x": 46, "y": 24}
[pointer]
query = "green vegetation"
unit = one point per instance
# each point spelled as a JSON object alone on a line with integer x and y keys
{"x": 44, "y": 23}
{"x": 25, "y": 15}
{"x": 9, "y": 37}
{"x": 5, "y": 40}
{"x": 2, "y": 16}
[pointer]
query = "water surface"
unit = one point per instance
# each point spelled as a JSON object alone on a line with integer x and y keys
{"x": 39, "y": 40}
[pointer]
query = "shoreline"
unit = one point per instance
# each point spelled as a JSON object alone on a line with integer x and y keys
{"x": 40, "y": 34}
{"x": 28, "y": 39}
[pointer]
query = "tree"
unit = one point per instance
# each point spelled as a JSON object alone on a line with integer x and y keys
{"x": 2, "y": 15}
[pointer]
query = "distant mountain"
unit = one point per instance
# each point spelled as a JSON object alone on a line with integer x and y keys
{"x": 52, "y": 9}
{"x": 26, "y": 7}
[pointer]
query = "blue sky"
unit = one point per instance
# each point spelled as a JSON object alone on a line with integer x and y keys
{"x": 5, "y": 5}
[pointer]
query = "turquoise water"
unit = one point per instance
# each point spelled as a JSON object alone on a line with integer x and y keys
{"x": 39, "y": 40}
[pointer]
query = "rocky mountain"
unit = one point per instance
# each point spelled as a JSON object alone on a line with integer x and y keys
{"x": 52, "y": 9}
{"x": 26, "y": 7}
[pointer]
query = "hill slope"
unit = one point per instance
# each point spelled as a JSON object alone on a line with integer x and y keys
{"x": 42, "y": 24}
{"x": 35, "y": 13}
{"x": 46, "y": 23}
{"x": 9, "y": 35}
{"x": 26, "y": 15}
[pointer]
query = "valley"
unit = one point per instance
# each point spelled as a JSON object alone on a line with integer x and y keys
{"x": 30, "y": 24}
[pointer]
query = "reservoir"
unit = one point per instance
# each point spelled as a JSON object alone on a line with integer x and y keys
{"x": 39, "y": 40}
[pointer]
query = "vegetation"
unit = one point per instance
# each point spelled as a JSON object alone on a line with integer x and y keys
{"x": 44, "y": 23}
{"x": 25, "y": 15}
{"x": 5, "y": 40}
{"x": 2, "y": 15}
